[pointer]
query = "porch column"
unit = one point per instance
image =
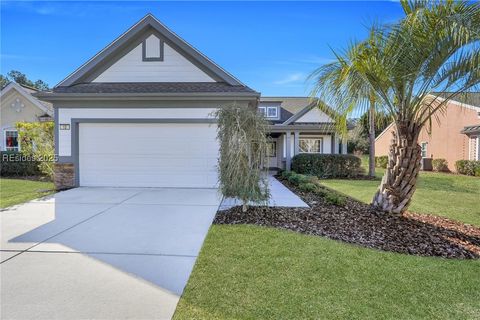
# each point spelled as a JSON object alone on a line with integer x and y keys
{"x": 332, "y": 144}
{"x": 296, "y": 142}
{"x": 344, "y": 145}
{"x": 288, "y": 156}
{"x": 336, "y": 144}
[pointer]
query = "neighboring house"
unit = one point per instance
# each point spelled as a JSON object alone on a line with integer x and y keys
{"x": 19, "y": 105}
{"x": 455, "y": 136}
{"x": 139, "y": 113}
{"x": 296, "y": 121}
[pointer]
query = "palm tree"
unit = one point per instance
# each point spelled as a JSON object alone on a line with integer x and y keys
{"x": 434, "y": 48}
{"x": 346, "y": 80}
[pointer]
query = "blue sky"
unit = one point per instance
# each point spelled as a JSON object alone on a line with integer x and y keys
{"x": 270, "y": 46}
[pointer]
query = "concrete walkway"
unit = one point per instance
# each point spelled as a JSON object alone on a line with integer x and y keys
{"x": 102, "y": 253}
{"x": 281, "y": 196}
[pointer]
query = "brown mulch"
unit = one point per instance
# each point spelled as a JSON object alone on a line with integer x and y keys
{"x": 358, "y": 223}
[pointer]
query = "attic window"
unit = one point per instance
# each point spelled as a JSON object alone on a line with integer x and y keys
{"x": 152, "y": 49}
{"x": 269, "y": 112}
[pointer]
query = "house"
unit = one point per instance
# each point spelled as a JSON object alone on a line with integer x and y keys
{"x": 455, "y": 136}
{"x": 19, "y": 105}
{"x": 297, "y": 122}
{"x": 139, "y": 114}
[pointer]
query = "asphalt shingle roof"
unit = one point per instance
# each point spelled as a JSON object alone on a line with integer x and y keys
{"x": 153, "y": 87}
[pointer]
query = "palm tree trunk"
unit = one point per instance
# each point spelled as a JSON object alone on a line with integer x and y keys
{"x": 400, "y": 179}
{"x": 371, "y": 137}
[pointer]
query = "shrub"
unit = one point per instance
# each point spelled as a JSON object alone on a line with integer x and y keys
{"x": 381, "y": 162}
{"x": 467, "y": 167}
{"x": 440, "y": 165}
{"x": 308, "y": 187}
{"x": 286, "y": 174}
{"x": 477, "y": 172}
{"x": 327, "y": 165}
{"x": 36, "y": 140}
{"x": 297, "y": 179}
{"x": 17, "y": 164}
{"x": 335, "y": 198}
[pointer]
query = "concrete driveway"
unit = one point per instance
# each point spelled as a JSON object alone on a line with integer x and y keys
{"x": 102, "y": 253}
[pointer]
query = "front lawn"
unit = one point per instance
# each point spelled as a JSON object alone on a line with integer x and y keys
{"x": 251, "y": 272}
{"x": 16, "y": 191}
{"x": 449, "y": 195}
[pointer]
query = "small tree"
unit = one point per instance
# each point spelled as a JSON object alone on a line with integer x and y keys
{"x": 243, "y": 144}
{"x": 36, "y": 140}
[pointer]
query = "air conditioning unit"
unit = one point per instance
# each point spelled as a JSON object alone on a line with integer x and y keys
{"x": 426, "y": 164}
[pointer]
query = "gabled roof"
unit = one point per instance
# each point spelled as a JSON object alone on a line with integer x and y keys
{"x": 148, "y": 25}
{"x": 26, "y": 92}
{"x": 289, "y": 106}
{"x": 302, "y": 112}
{"x": 469, "y": 98}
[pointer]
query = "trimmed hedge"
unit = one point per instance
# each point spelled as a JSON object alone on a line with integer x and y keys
{"x": 381, "y": 162}
{"x": 17, "y": 164}
{"x": 440, "y": 165}
{"x": 468, "y": 167}
{"x": 327, "y": 165}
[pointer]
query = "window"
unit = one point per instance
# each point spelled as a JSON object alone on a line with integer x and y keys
{"x": 310, "y": 145}
{"x": 478, "y": 148}
{"x": 424, "y": 149}
{"x": 270, "y": 112}
{"x": 272, "y": 149}
{"x": 11, "y": 140}
{"x": 262, "y": 111}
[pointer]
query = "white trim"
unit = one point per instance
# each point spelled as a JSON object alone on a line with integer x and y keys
{"x": 426, "y": 148}
{"x": 478, "y": 148}
{"x": 26, "y": 95}
{"x": 276, "y": 112}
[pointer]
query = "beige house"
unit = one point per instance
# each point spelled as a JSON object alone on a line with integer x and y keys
{"x": 19, "y": 105}
{"x": 456, "y": 136}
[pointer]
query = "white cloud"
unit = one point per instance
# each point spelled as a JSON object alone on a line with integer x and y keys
{"x": 291, "y": 78}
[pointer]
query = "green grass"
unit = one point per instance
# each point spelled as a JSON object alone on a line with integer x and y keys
{"x": 453, "y": 196}
{"x": 15, "y": 191}
{"x": 250, "y": 272}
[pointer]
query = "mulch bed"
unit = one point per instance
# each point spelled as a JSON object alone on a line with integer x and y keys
{"x": 358, "y": 223}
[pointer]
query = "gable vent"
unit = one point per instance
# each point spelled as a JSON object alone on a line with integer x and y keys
{"x": 152, "y": 49}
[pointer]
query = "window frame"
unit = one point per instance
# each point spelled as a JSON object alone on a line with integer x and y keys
{"x": 272, "y": 108}
{"x": 5, "y": 147}
{"x": 424, "y": 150}
{"x": 311, "y": 138}
{"x": 264, "y": 109}
{"x": 478, "y": 148}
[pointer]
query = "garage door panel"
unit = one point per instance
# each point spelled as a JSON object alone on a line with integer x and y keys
{"x": 148, "y": 155}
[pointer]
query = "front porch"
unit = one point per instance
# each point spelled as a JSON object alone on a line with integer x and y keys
{"x": 311, "y": 139}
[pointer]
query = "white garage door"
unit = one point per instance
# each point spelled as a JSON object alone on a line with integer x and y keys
{"x": 148, "y": 155}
